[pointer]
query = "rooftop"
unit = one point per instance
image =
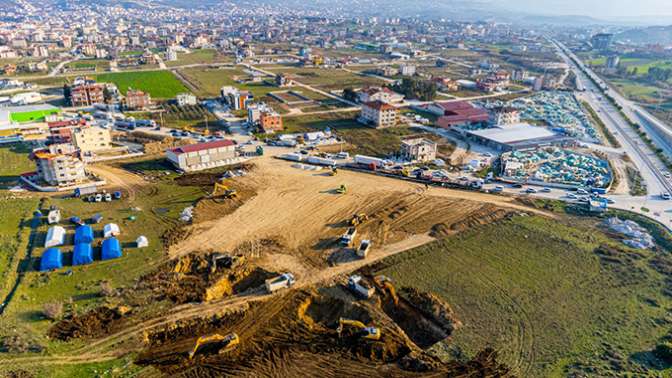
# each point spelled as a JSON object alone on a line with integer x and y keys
{"x": 513, "y": 133}
{"x": 202, "y": 146}
{"x": 379, "y": 105}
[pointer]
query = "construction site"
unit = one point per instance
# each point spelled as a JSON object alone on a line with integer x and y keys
{"x": 277, "y": 271}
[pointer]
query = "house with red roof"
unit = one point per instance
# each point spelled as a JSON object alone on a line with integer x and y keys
{"x": 458, "y": 113}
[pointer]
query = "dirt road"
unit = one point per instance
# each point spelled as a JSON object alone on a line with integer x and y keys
{"x": 119, "y": 178}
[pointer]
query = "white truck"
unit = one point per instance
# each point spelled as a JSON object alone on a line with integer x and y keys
{"x": 348, "y": 237}
{"x": 282, "y": 281}
{"x": 364, "y": 247}
{"x": 359, "y": 287}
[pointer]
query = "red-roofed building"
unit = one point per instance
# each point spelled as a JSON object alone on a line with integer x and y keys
{"x": 61, "y": 131}
{"x": 378, "y": 114}
{"x": 458, "y": 113}
{"x": 200, "y": 156}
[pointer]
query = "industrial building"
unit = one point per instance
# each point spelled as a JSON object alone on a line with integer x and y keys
{"x": 517, "y": 137}
{"x": 458, "y": 113}
{"x": 200, "y": 156}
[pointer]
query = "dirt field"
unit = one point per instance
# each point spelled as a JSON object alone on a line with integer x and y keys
{"x": 303, "y": 213}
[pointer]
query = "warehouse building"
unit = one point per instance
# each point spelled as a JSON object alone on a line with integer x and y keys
{"x": 200, "y": 156}
{"x": 519, "y": 136}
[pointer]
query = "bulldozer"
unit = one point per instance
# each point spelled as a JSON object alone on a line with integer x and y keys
{"x": 223, "y": 343}
{"x": 369, "y": 333}
{"x": 358, "y": 219}
{"x": 384, "y": 283}
{"x": 221, "y": 191}
{"x": 342, "y": 189}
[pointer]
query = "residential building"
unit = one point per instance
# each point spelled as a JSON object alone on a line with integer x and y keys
{"x": 61, "y": 131}
{"x": 446, "y": 84}
{"x": 196, "y": 157}
{"x": 281, "y": 80}
{"x": 386, "y": 95}
{"x": 59, "y": 165}
{"x": 407, "y": 70}
{"x": 236, "y": 99}
{"x": 601, "y": 41}
{"x": 613, "y": 61}
{"x": 136, "y": 99}
{"x": 418, "y": 149}
{"x": 270, "y": 121}
{"x": 506, "y": 115}
{"x": 85, "y": 94}
{"x": 90, "y": 139}
{"x": 185, "y": 99}
{"x": 378, "y": 114}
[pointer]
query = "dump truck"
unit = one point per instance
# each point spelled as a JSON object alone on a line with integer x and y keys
{"x": 222, "y": 343}
{"x": 359, "y": 287}
{"x": 282, "y": 281}
{"x": 364, "y": 247}
{"x": 370, "y": 333}
{"x": 348, "y": 237}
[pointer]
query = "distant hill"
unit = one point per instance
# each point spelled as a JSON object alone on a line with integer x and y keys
{"x": 653, "y": 34}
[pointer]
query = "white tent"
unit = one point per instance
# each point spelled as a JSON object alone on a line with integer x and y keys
{"x": 55, "y": 237}
{"x": 111, "y": 229}
{"x": 142, "y": 241}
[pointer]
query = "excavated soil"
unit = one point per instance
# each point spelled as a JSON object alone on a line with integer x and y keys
{"x": 295, "y": 335}
{"x": 97, "y": 322}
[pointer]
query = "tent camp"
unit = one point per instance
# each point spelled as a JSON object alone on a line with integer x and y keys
{"x": 83, "y": 234}
{"x": 142, "y": 241}
{"x": 110, "y": 230}
{"x": 52, "y": 259}
{"x": 111, "y": 249}
{"x": 55, "y": 237}
{"x": 83, "y": 254}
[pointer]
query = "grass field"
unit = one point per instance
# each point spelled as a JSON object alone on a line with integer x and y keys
{"x": 199, "y": 57}
{"x": 210, "y": 80}
{"x": 160, "y": 84}
{"x": 538, "y": 291}
{"x": 13, "y": 162}
{"x": 637, "y": 91}
{"x": 90, "y": 65}
{"x": 13, "y": 237}
{"x": 329, "y": 79}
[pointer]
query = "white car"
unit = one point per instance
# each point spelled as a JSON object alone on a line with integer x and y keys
{"x": 546, "y": 189}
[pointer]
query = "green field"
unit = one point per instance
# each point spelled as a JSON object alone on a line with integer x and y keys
{"x": 90, "y": 65}
{"x": 159, "y": 84}
{"x": 202, "y": 56}
{"x": 33, "y": 116}
{"x": 637, "y": 91}
{"x": 13, "y": 162}
{"x": 209, "y": 81}
{"x": 330, "y": 78}
{"x": 541, "y": 293}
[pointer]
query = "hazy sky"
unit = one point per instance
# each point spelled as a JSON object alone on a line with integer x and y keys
{"x": 594, "y": 8}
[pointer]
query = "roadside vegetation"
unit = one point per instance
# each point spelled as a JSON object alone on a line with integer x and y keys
{"x": 608, "y": 136}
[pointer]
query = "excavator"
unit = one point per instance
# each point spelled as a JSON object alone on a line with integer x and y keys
{"x": 342, "y": 189}
{"x": 358, "y": 219}
{"x": 370, "y": 333}
{"x": 333, "y": 171}
{"x": 221, "y": 191}
{"x": 224, "y": 343}
{"x": 384, "y": 283}
{"x": 190, "y": 129}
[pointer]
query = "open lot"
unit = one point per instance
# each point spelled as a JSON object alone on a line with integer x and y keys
{"x": 209, "y": 81}
{"x": 159, "y": 84}
{"x": 13, "y": 162}
{"x": 554, "y": 298}
{"x": 200, "y": 56}
{"x": 329, "y": 78}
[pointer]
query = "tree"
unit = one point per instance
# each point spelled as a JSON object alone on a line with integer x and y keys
{"x": 107, "y": 95}
{"x": 67, "y": 93}
{"x": 350, "y": 95}
{"x": 417, "y": 88}
{"x": 53, "y": 310}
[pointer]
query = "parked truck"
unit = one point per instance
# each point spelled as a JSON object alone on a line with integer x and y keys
{"x": 282, "y": 281}
{"x": 349, "y": 236}
{"x": 364, "y": 247}
{"x": 359, "y": 287}
{"x": 81, "y": 192}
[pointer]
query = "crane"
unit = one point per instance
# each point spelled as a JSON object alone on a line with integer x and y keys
{"x": 225, "y": 343}
{"x": 370, "y": 333}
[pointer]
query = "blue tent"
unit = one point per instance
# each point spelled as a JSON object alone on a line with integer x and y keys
{"x": 111, "y": 249}
{"x": 84, "y": 234}
{"x": 82, "y": 255}
{"x": 51, "y": 260}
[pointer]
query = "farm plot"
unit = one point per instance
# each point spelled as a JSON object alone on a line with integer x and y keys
{"x": 159, "y": 84}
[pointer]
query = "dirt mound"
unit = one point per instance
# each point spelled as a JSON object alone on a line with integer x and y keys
{"x": 207, "y": 209}
{"x": 432, "y": 307}
{"x": 486, "y": 215}
{"x": 174, "y": 235}
{"x": 202, "y": 278}
{"x": 97, "y": 322}
{"x": 207, "y": 179}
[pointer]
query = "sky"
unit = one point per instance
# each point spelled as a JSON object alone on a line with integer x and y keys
{"x": 595, "y": 8}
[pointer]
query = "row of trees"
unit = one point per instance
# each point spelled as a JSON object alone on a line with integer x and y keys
{"x": 417, "y": 88}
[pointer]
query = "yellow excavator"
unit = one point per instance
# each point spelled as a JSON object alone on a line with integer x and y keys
{"x": 224, "y": 343}
{"x": 342, "y": 189}
{"x": 333, "y": 171}
{"x": 358, "y": 219}
{"x": 221, "y": 191}
{"x": 384, "y": 283}
{"x": 370, "y": 333}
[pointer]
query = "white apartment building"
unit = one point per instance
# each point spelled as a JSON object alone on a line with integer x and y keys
{"x": 378, "y": 114}
{"x": 60, "y": 165}
{"x": 91, "y": 139}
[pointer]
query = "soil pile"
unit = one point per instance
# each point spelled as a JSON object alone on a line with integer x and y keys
{"x": 97, "y": 322}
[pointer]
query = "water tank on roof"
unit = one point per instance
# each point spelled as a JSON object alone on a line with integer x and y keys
{"x": 111, "y": 249}
{"x": 51, "y": 259}
{"x": 82, "y": 254}
{"x": 83, "y": 234}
